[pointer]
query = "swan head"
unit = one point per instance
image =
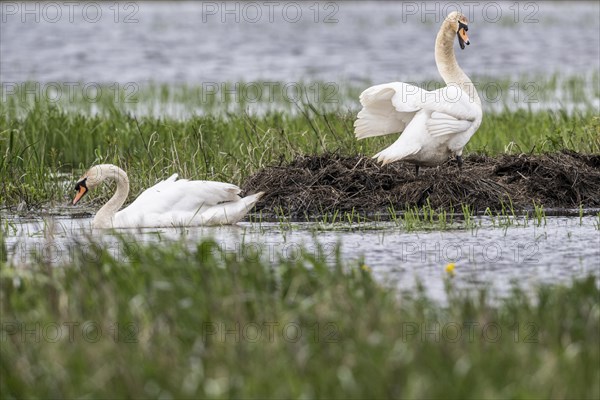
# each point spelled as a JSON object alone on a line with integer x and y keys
{"x": 93, "y": 177}
{"x": 81, "y": 188}
{"x": 460, "y": 24}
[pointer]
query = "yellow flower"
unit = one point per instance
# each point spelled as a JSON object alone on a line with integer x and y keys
{"x": 450, "y": 268}
{"x": 365, "y": 268}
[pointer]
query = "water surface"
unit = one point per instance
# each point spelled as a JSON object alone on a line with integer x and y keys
{"x": 487, "y": 256}
{"x": 195, "y": 43}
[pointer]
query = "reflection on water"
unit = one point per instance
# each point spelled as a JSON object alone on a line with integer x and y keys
{"x": 492, "y": 257}
{"x": 188, "y": 42}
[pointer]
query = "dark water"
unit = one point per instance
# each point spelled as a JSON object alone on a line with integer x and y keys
{"x": 188, "y": 42}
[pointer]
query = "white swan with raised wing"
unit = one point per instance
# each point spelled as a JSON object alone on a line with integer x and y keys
{"x": 435, "y": 125}
{"x": 170, "y": 203}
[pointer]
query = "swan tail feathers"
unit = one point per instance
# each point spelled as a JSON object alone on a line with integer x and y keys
{"x": 230, "y": 213}
{"x": 393, "y": 153}
{"x": 253, "y": 199}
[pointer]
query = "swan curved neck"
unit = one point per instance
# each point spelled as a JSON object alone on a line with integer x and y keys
{"x": 448, "y": 67}
{"x": 105, "y": 215}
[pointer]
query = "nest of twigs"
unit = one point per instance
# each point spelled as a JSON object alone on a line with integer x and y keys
{"x": 314, "y": 185}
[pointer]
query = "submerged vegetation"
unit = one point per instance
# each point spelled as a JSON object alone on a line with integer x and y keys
{"x": 175, "y": 321}
{"x": 45, "y": 144}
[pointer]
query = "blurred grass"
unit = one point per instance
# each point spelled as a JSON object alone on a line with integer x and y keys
{"x": 181, "y": 101}
{"x": 164, "y": 311}
{"x": 39, "y": 138}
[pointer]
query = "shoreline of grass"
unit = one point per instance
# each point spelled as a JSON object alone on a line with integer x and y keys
{"x": 155, "y": 322}
{"x": 49, "y": 141}
{"x": 288, "y": 187}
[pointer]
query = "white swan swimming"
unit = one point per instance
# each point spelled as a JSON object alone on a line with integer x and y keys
{"x": 435, "y": 125}
{"x": 169, "y": 203}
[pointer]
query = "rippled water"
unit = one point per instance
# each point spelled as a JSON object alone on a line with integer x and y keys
{"x": 187, "y": 42}
{"x": 563, "y": 248}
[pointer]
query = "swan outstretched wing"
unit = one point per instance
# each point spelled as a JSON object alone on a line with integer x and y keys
{"x": 385, "y": 110}
{"x": 390, "y": 107}
{"x": 426, "y": 119}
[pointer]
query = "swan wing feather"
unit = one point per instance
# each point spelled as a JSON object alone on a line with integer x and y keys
{"x": 450, "y": 100}
{"x": 390, "y": 107}
{"x": 441, "y": 124}
{"x": 385, "y": 110}
{"x": 182, "y": 197}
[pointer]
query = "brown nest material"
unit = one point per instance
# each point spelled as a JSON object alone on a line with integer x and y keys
{"x": 315, "y": 185}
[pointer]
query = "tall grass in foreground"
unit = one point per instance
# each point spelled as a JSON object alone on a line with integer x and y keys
{"x": 225, "y": 147}
{"x": 173, "y": 322}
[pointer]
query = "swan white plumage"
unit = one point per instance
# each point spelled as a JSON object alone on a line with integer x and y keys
{"x": 434, "y": 124}
{"x": 172, "y": 202}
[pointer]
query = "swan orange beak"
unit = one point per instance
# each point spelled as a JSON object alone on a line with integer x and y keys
{"x": 462, "y": 36}
{"x": 81, "y": 190}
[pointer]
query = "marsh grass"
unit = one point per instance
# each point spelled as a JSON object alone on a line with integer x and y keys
{"x": 180, "y": 101}
{"x": 179, "y": 321}
{"x": 39, "y": 138}
{"x": 426, "y": 218}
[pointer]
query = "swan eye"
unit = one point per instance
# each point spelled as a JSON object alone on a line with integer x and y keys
{"x": 81, "y": 184}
